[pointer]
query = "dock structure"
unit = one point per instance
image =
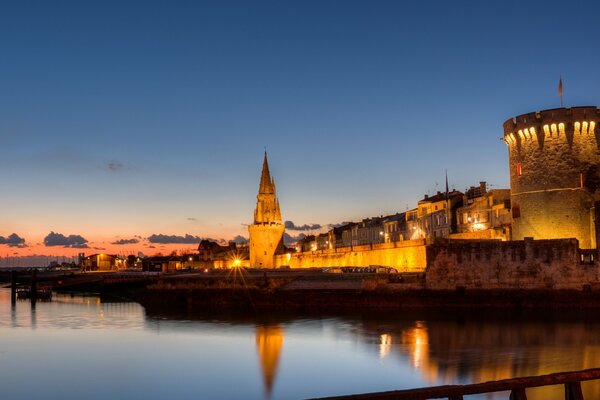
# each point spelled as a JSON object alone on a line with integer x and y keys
{"x": 516, "y": 386}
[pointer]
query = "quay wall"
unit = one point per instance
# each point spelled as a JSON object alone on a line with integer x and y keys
{"x": 522, "y": 264}
{"x": 405, "y": 256}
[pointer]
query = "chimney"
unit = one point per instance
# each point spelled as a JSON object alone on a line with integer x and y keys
{"x": 483, "y": 187}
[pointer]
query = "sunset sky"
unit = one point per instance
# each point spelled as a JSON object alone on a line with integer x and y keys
{"x": 127, "y": 125}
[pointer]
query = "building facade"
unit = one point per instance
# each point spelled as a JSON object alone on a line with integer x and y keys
{"x": 436, "y": 215}
{"x": 266, "y": 233}
{"x": 485, "y": 215}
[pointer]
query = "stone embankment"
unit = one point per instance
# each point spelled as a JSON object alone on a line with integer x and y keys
{"x": 315, "y": 291}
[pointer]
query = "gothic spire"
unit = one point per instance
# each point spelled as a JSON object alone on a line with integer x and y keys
{"x": 267, "y": 185}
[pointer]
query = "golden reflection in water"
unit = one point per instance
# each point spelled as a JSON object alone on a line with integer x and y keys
{"x": 416, "y": 341}
{"x": 446, "y": 352}
{"x": 269, "y": 341}
{"x": 385, "y": 345}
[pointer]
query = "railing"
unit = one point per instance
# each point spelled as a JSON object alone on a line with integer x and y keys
{"x": 516, "y": 386}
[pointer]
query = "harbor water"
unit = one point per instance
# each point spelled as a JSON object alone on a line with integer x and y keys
{"x": 78, "y": 347}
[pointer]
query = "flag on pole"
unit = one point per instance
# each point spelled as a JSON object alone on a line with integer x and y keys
{"x": 560, "y": 90}
{"x": 560, "y": 87}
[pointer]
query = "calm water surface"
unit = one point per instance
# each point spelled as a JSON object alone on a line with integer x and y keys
{"x": 81, "y": 348}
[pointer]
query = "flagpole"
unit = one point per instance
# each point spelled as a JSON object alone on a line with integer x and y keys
{"x": 560, "y": 91}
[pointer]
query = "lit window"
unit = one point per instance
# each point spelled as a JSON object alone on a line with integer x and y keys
{"x": 519, "y": 170}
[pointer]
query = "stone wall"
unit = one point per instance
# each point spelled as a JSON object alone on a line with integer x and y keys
{"x": 554, "y": 159}
{"x": 523, "y": 264}
{"x": 265, "y": 241}
{"x": 405, "y": 256}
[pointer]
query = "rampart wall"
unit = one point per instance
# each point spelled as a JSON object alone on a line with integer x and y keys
{"x": 523, "y": 264}
{"x": 405, "y": 256}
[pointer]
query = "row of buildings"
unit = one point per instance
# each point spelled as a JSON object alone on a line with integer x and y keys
{"x": 554, "y": 166}
{"x": 209, "y": 255}
{"x": 478, "y": 213}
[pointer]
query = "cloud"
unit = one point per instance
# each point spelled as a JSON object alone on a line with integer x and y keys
{"x": 289, "y": 239}
{"x": 192, "y": 219}
{"x": 114, "y": 166}
{"x": 340, "y": 224}
{"x": 239, "y": 239}
{"x": 58, "y": 239}
{"x": 306, "y": 227}
{"x": 13, "y": 240}
{"x": 126, "y": 241}
{"x": 168, "y": 239}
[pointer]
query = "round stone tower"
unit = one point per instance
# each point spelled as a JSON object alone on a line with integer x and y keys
{"x": 554, "y": 158}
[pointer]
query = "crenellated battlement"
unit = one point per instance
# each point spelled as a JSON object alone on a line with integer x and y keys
{"x": 554, "y": 159}
{"x": 554, "y": 123}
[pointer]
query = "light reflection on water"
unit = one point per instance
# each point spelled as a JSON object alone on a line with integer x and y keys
{"x": 79, "y": 347}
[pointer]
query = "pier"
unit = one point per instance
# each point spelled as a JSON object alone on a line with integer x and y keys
{"x": 34, "y": 285}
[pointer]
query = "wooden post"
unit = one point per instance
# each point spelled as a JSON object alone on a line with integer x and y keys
{"x": 33, "y": 291}
{"x": 518, "y": 394}
{"x": 13, "y": 287}
{"x": 573, "y": 391}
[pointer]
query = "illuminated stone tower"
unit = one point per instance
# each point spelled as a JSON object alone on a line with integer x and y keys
{"x": 266, "y": 233}
{"x": 554, "y": 158}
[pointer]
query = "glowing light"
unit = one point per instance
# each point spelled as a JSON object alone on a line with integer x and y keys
{"x": 533, "y": 132}
{"x": 592, "y": 127}
{"x": 553, "y": 129}
{"x": 561, "y": 128}
{"x": 237, "y": 262}
{"x": 478, "y": 226}
{"x": 577, "y": 127}
{"x": 584, "y": 127}
{"x": 547, "y": 130}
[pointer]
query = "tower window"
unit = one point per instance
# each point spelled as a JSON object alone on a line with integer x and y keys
{"x": 519, "y": 170}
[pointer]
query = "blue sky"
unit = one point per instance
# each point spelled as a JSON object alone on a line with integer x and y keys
{"x": 123, "y": 118}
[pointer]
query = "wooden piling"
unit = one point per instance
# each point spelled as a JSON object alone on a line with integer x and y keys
{"x": 13, "y": 287}
{"x": 33, "y": 290}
